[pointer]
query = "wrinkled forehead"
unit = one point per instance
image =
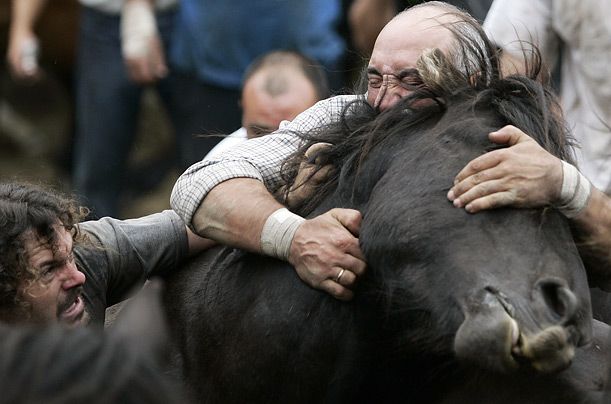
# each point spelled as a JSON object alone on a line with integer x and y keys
{"x": 38, "y": 246}
{"x": 403, "y": 40}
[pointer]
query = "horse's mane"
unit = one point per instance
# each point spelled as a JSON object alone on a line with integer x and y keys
{"x": 470, "y": 72}
{"x": 57, "y": 365}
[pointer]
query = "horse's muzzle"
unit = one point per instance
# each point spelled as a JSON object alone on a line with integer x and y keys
{"x": 492, "y": 338}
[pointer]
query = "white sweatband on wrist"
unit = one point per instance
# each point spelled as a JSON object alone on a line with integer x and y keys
{"x": 278, "y": 232}
{"x": 575, "y": 193}
{"x": 137, "y": 28}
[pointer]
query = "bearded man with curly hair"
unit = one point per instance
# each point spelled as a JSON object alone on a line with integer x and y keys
{"x": 55, "y": 268}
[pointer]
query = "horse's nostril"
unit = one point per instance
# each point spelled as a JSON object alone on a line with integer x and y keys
{"x": 559, "y": 299}
{"x": 552, "y": 299}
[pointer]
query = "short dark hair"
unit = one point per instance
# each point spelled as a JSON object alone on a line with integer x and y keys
{"x": 310, "y": 69}
{"x": 26, "y": 207}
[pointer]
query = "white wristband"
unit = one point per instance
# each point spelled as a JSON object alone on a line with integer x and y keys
{"x": 137, "y": 28}
{"x": 278, "y": 232}
{"x": 575, "y": 191}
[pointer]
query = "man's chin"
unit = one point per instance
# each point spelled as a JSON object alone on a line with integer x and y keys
{"x": 81, "y": 321}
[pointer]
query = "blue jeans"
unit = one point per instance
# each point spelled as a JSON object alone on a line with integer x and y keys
{"x": 108, "y": 105}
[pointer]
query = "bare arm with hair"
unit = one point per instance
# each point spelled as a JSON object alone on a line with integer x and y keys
{"x": 593, "y": 226}
{"x": 235, "y": 211}
{"x": 227, "y": 200}
{"x": 22, "y": 38}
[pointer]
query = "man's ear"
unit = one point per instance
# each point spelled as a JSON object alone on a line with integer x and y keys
{"x": 142, "y": 324}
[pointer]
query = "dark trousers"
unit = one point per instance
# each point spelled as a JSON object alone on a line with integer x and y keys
{"x": 108, "y": 105}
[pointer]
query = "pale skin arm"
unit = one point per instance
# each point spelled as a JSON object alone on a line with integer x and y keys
{"x": 234, "y": 212}
{"x": 146, "y": 62}
{"x": 24, "y": 15}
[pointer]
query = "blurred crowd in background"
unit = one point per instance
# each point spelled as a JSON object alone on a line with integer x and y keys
{"x": 116, "y": 120}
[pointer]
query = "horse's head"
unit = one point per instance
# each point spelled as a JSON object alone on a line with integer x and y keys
{"x": 503, "y": 289}
{"x": 508, "y": 284}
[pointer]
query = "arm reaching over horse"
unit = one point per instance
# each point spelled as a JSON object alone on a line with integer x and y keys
{"x": 525, "y": 175}
{"x": 226, "y": 199}
{"x": 324, "y": 250}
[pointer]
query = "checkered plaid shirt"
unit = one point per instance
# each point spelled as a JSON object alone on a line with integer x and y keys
{"x": 259, "y": 158}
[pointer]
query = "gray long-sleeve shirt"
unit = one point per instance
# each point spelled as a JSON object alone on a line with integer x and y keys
{"x": 124, "y": 253}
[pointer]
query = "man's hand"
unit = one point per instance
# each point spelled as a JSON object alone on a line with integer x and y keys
{"x": 307, "y": 179}
{"x": 22, "y": 55}
{"x": 150, "y": 66}
{"x": 141, "y": 45}
{"x": 522, "y": 175}
{"x": 326, "y": 254}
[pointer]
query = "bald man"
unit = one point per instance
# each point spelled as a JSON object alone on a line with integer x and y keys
{"x": 276, "y": 87}
{"x": 227, "y": 198}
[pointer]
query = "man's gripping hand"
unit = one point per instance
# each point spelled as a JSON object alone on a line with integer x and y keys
{"x": 522, "y": 175}
{"x": 326, "y": 254}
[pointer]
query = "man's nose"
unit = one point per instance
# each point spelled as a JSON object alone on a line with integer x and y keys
{"x": 390, "y": 92}
{"x": 72, "y": 277}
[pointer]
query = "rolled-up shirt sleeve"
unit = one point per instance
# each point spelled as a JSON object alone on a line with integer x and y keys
{"x": 259, "y": 158}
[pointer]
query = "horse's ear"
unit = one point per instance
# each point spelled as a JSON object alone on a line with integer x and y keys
{"x": 141, "y": 323}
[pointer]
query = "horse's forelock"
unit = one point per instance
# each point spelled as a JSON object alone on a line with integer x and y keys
{"x": 438, "y": 73}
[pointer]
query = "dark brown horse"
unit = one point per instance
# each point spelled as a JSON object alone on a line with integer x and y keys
{"x": 453, "y": 307}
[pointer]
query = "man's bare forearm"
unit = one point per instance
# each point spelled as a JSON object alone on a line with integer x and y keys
{"x": 594, "y": 222}
{"x": 593, "y": 235}
{"x": 234, "y": 212}
{"x": 24, "y": 14}
{"x": 595, "y": 219}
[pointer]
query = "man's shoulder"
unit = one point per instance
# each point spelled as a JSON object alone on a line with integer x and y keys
{"x": 109, "y": 230}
